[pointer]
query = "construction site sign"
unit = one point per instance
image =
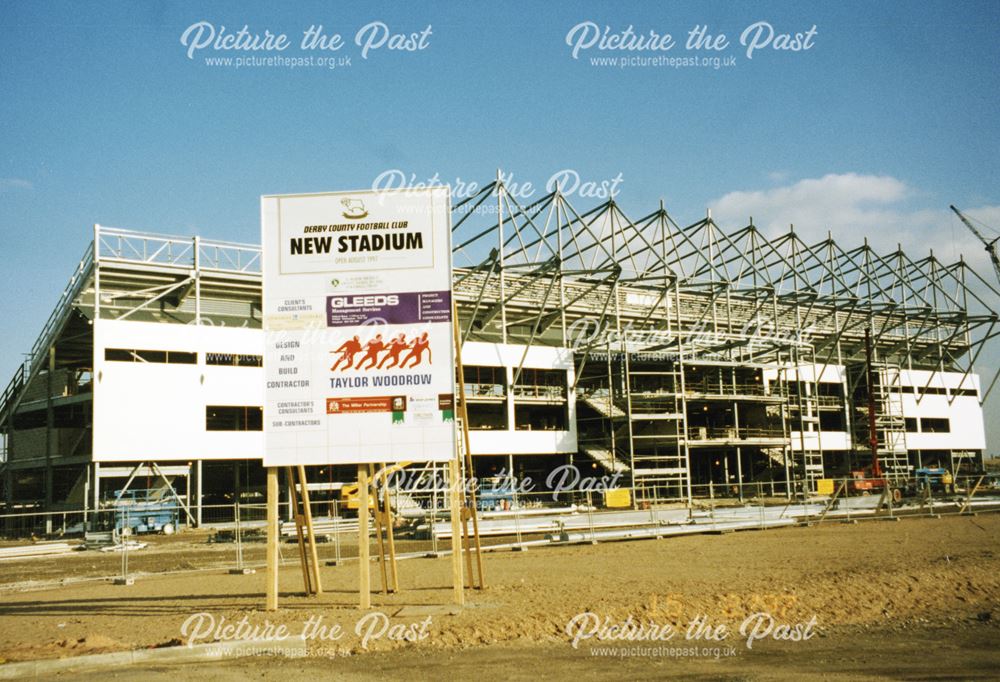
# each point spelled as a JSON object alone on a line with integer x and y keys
{"x": 359, "y": 359}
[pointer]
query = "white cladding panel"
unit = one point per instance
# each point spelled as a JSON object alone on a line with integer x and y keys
{"x": 964, "y": 413}
{"x": 827, "y": 440}
{"x": 509, "y": 355}
{"x": 512, "y": 441}
{"x": 156, "y": 411}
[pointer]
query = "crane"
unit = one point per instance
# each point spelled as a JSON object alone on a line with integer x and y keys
{"x": 991, "y": 245}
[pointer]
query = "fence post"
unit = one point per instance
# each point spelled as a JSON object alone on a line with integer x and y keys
{"x": 590, "y": 517}
{"x": 239, "y": 537}
{"x": 432, "y": 519}
{"x": 711, "y": 503}
{"x": 517, "y": 523}
{"x": 241, "y": 568}
{"x": 124, "y": 534}
{"x": 336, "y": 530}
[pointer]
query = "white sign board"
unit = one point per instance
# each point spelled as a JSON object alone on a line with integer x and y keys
{"x": 359, "y": 359}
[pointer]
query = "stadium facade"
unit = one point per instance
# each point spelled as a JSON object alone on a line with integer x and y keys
{"x": 689, "y": 361}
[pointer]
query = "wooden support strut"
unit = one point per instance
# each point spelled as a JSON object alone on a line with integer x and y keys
{"x": 973, "y": 491}
{"x": 373, "y": 495}
{"x": 310, "y": 531}
{"x": 364, "y": 574}
{"x": 299, "y": 530}
{"x": 390, "y": 540}
{"x": 833, "y": 500}
{"x": 462, "y": 410}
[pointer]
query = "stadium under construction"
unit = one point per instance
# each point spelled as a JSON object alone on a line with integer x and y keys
{"x": 690, "y": 361}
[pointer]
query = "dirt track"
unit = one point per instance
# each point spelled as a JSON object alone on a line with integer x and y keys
{"x": 877, "y": 591}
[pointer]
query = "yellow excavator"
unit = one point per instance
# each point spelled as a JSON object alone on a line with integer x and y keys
{"x": 349, "y": 497}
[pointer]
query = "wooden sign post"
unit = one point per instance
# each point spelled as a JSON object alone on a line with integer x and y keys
{"x": 272, "y": 539}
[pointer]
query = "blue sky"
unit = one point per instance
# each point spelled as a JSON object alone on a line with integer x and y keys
{"x": 106, "y": 119}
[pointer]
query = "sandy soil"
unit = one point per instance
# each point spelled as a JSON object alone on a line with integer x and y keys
{"x": 188, "y": 551}
{"x": 875, "y": 656}
{"x": 915, "y": 598}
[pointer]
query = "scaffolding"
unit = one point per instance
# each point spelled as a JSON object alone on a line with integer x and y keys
{"x": 644, "y": 303}
{"x": 890, "y": 424}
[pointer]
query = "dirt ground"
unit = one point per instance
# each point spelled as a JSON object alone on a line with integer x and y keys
{"x": 190, "y": 550}
{"x": 872, "y": 657}
{"x": 918, "y": 598}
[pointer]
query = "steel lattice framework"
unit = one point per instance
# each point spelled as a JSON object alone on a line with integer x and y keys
{"x": 526, "y": 273}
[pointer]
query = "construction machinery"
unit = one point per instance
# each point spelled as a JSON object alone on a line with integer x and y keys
{"x": 144, "y": 511}
{"x": 872, "y": 478}
{"x": 496, "y": 493}
{"x": 936, "y": 479}
{"x": 990, "y": 244}
{"x": 351, "y": 500}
